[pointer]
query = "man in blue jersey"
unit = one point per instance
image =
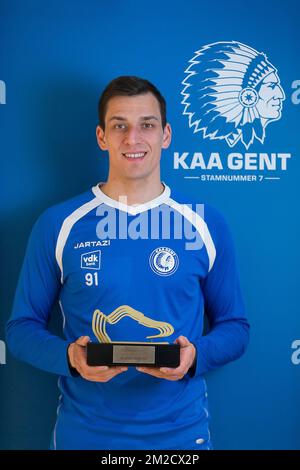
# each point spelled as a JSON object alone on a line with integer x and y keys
{"x": 129, "y": 261}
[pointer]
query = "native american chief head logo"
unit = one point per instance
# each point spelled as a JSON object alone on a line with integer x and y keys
{"x": 231, "y": 92}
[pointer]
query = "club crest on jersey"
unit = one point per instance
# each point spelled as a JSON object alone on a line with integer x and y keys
{"x": 91, "y": 260}
{"x": 163, "y": 261}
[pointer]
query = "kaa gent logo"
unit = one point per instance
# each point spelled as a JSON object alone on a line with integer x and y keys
{"x": 231, "y": 92}
{"x": 91, "y": 260}
{"x": 163, "y": 261}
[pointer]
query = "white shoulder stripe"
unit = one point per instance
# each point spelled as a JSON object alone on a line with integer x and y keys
{"x": 67, "y": 227}
{"x": 198, "y": 222}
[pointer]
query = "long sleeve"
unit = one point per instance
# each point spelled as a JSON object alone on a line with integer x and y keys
{"x": 228, "y": 334}
{"x": 38, "y": 288}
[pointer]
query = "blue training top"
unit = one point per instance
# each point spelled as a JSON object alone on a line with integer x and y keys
{"x": 111, "y": 265}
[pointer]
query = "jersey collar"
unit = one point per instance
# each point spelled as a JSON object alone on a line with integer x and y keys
{"x": 132, "y": 209}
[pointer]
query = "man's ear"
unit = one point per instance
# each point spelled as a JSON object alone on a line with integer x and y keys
{"x": 167, "y": 137}
{"x": 100, "y": 135}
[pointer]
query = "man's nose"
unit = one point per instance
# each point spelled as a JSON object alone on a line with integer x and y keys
{"x": 132, "y": 136}
{"x": 279, "y": 93}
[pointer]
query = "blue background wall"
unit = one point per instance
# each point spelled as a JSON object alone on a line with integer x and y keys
{"x": 55, "y": 59}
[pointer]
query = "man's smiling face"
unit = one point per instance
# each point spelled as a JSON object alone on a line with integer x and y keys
{"x": 134, "y": 136}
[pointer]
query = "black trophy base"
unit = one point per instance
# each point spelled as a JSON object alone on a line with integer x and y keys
{"x": 133, "y": 354}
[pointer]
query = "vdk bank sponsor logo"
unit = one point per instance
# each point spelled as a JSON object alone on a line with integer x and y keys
{"x": 91, "y": 260}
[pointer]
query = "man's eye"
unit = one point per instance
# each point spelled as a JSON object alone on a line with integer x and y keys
{"x": 147, "y": 125}
{"x": 272, "y": 85}
{"x": 119, "y": 126}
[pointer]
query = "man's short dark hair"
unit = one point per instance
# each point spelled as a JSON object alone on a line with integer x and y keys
{"x": 128, "y": 85}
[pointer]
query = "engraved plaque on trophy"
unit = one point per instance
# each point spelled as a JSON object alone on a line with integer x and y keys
{"x": 133, "y": 354}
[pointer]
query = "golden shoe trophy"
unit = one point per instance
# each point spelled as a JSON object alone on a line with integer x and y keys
{"x": 127, "y": 353}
